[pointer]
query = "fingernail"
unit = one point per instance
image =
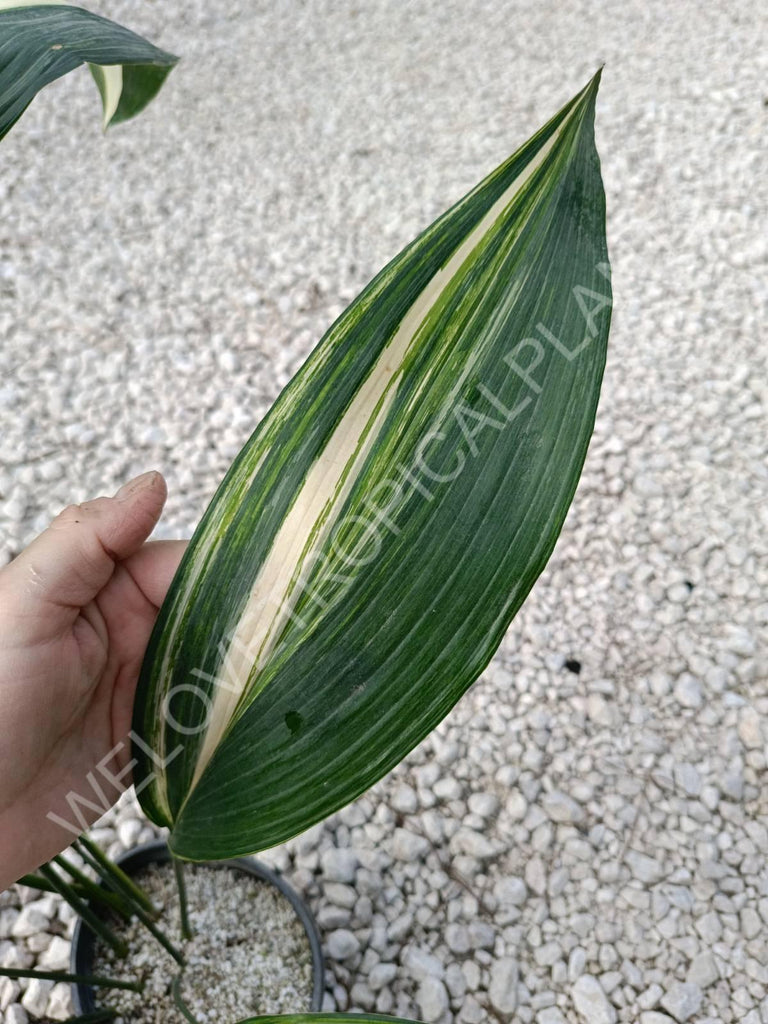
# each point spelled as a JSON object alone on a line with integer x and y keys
{"x": 139, "y": 483}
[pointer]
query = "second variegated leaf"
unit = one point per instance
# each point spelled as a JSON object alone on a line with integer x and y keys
{"x": 41, "y": 41}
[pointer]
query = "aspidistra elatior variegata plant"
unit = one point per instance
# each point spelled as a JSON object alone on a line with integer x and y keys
{"x": 368, "y": 548}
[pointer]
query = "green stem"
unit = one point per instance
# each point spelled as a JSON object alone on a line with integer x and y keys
{"x": 181, "y": 1006}
{"x": 178, "y": 867}
{"x": 124, "y": 882}
{"x": 90, "y": 892}
{"x": 96, "y": 980}
{"x": 81, "y": 907}
{"x": 84, "y": 885}
{"x": 116, "y": 879}
{"x": 164, "y": 941}
{"x": 33, "y": 882}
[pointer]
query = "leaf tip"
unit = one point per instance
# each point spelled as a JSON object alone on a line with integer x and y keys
{"x": 587, "y": 98}
{"x": 593, "y": 84}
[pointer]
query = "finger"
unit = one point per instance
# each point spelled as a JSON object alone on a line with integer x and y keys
{"x": 69, "y": 563}
{"x": 153, "y": 566}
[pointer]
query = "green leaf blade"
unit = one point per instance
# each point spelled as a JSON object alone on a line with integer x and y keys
{"x": 41, "y": 42}
{"x": 389, "y": 516}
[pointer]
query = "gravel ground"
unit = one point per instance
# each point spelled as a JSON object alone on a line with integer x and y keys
{"x": 584, "y": 839}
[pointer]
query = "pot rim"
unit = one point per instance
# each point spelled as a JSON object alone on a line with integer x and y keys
{"x": 157, "y": 852}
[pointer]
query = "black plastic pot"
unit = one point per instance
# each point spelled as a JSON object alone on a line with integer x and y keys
{"x": 83, "y": 940}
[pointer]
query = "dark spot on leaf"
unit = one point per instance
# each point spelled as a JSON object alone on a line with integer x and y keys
{"x": 688, "y": 584}
{"x": 573, "y": 665}
{"x": 294, "y": 721}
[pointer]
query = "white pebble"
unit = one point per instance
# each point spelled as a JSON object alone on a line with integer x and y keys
{"x": 339, "y": 865}
{"x": 591, "y": 1001}
{"x": 128, "y": 832}
{"x": 751, "y": 730}
{"x": 404, "y": 799}
{"x": 682, "y": 1000}
{"x": 56, "y": 956}
{"x": 502, "y": 989}
{"x": 342, "y": 944}
{"x": 30, "y": 921}
{"x": 688, "y": 692}
{"x": 472, "y": 844}
{"x": 382, "y": 975}
{"x": 408, "y": 846}
{"x": 562, "y": 808}
{"x": 60, "y": 1002}
{"x": 432, "y": 999}
{"x": 35, "y": 999}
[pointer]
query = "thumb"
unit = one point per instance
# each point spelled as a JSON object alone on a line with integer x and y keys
{"x": 70, "y": 562}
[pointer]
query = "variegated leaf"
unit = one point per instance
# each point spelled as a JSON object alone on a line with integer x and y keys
{"x": 40, "y": 42}
{"x": 358, "y": 566}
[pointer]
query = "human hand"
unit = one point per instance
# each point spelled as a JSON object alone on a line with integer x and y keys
{"x": 76, "y": 611}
